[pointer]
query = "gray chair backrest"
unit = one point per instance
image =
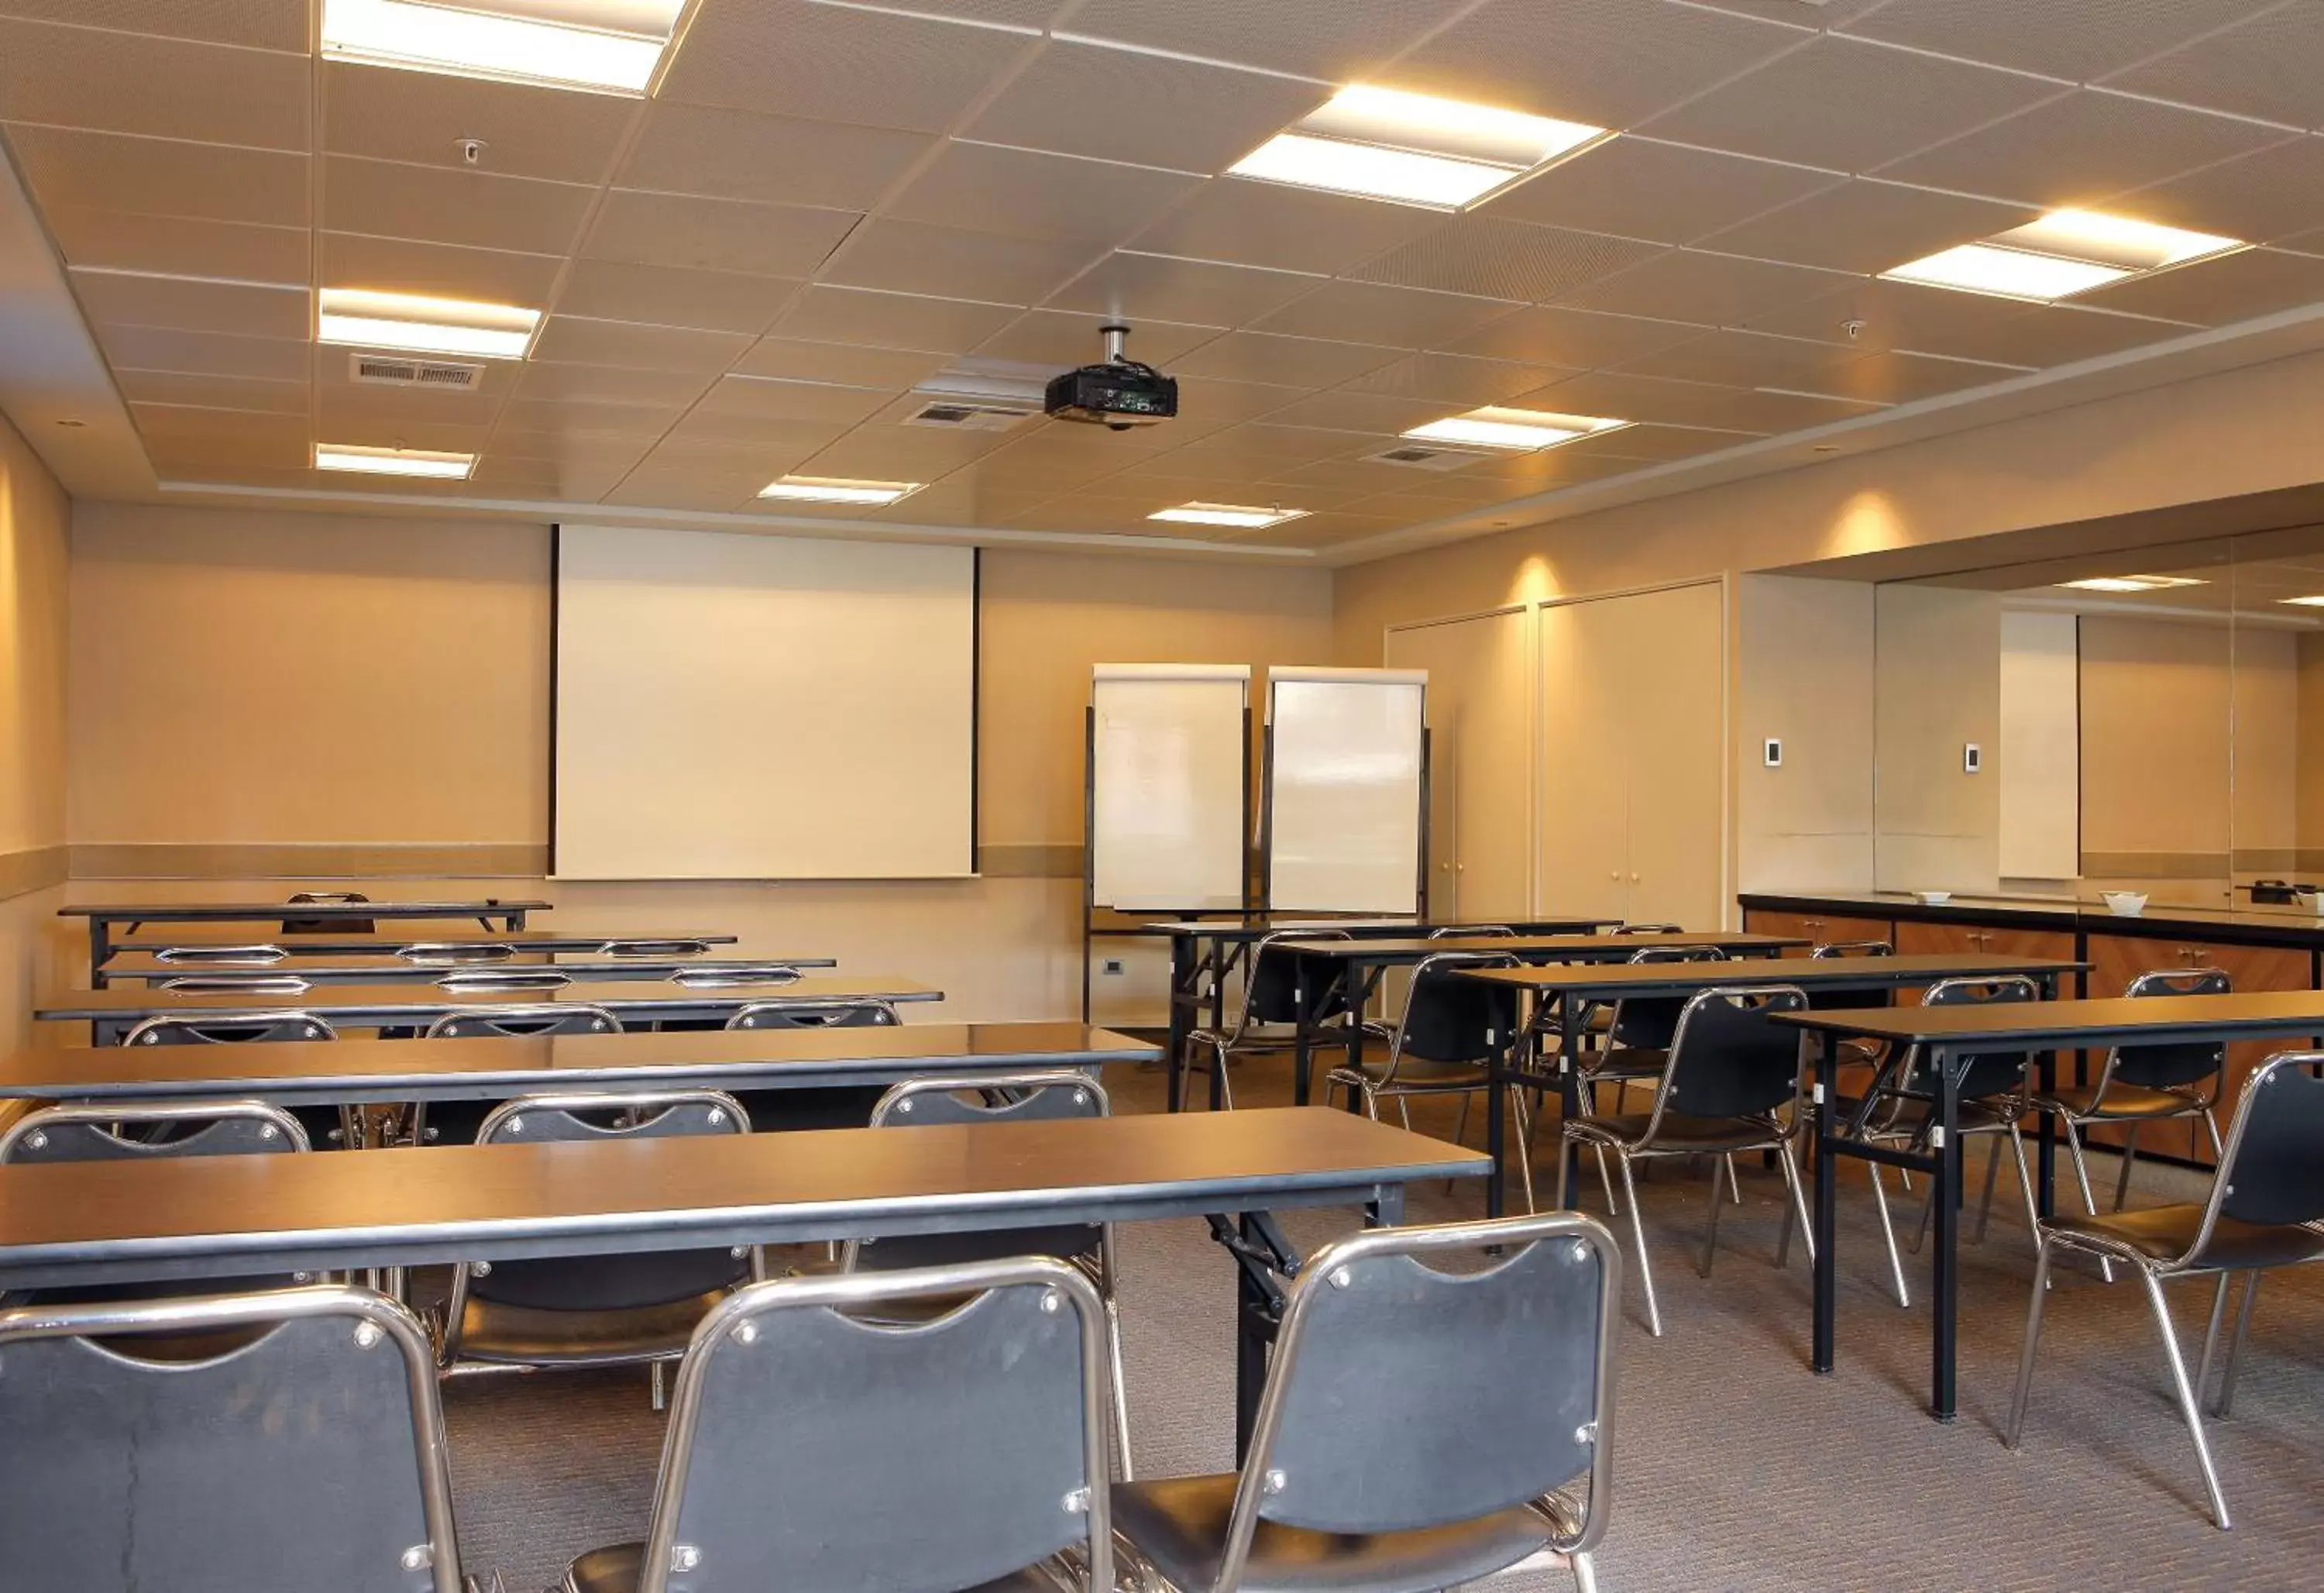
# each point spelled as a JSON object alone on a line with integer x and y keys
{"x": 1840, "y": 1000}
{"x": 119, "y": 1131}
{"x": 816, "y": 1014}
{"x": 734, "y": 976}
{"x": 488, "y": 979}
{"x": 1728, "y": 1059}
{"x": 1272, "y": 982}
{"x": 2166, "y": 1067}
{"x": 671, "y": 948}
{"x": 1449, "y": 1019}
{"x": 618, "y": 1282}
{"x": 1048, "y": 1096}
{"x": 1390, "y": 1407}
{"x": 1459, "y": 931}
{"x": 226, "y": 1028}
{"x": 811, "y": 1449}
{"x": 220, "y": 956}
{"x": 1646, "y": 1023}
{"x": 455, "y": 953}
{"x": 523, "y": 1018}
{"x": 311, "y": 1455}
{"x": 1853, "y": 948}
{"x": 252, "y": 985}
{"x": 2267, "y": 1170}
{"x": 1649, "y": 929}
{"x": 310, "y": 924}
{"x": 1988, "y": 1073}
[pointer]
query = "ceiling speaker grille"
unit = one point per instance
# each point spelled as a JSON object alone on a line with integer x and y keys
{"x": 1417, "y": 457}
{"x": 957, "y": 415}
{"x": 374, "y": 370}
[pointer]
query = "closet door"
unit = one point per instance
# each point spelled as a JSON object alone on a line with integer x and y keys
{"x": 1675, "y": 720}
{"x": 1480, "y": 741}
{"x": 1583, "y": 843}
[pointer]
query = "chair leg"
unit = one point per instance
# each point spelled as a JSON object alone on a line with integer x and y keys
{"x": 1585, "y": 1572}
{"x": 1992, "y": 1177}
{"x": 1524, "y": 1116}
{"x": 2025, "y": 1185}
{"x": 2129, "y": 1157}
{"x": 2082, "y": 1177}
{"x": 2235, "y": 1345}
{"x": 1120, "y": 1394}
{"x": 1799, "y": 1201}
{"x": 1928, "y": 1206}
{"x": 1711, "y": 1232}
{"x": 660, "y": 1395}
{"x": 2015, "y": 1430}
{"x": 2211, "y": 1126}
{"x": 1638, "y": 1235}
{"x": 1461, "y": 1128}
{"x": 1888, "y": 1232}
{"x": 1613, "y": 1207}
{"x": 2186, "y": 1395}
{"x": 1734, "y": 1184}
{"x": 2211, "y": 1337}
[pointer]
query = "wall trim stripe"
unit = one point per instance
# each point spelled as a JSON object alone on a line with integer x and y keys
{"x": 309, "y": 860}
{"x": 36, "y": 868}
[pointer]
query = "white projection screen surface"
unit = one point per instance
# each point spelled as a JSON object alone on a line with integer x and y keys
{"x": 1344, "y": 789}
{"x": 1168, "y": 785}
{"x": 739, "y": 706}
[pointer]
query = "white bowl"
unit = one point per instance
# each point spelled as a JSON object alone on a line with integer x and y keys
{"x": 2309, "y": 901}
{"x": 1932, "y": 898}
{"x": 2124, "y": 903}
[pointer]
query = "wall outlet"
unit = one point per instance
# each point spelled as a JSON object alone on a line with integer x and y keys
{"x": 1973, "y": 758}
{"x": 1112, "y": 967}
{"x": 1773, "y": 754}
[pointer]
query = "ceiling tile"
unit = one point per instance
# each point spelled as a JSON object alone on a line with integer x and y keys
{"x": 2216, "y": 293}
{"x": 1247, "y": 222}
{"x": 187, "y": 424}
{"x": 646, "y": 489}
{"x": 260, "y": 462}
{"x": 167, "y": 348}
{"x": 71, "y": 77}
{"x": 1405, "y": 317}
{"x": 673, "y": 296}
{"x": 1494, "y": 258}
{"x": 263, "y": 24}
{"x": 848, "y": 363}
{"x": 1748, "y": 360}
{"x": 1642, "y": 188}
{"x": 1611, "y": 63}
{"x": 836, "y": 64}
{"x": 1868, "y": 225}
{"x": 571, "y": 339}
{"x": 590, "y": 451}
{"x": 1296, "y": 361}
{"x": 882, "y": 448}
{"x": 2074, "y": 39}
{"x": 1339, "y": 41}
{"x": 568, "y": 481}
{"x": 237, "y": 393}
{"x": 1322, "y": 530}
{"x": 239, "y": 309}
{"x": 1650, "y": 444}
{"x": 778, "y": 450}
{"x": 1207, "y": 404}
{"x": 910, "y": 257}
{"x": 125, "y": 240}
{"x": 816, "y": 402}
{"x": 1717, "y": 288}
{"x": 381, "y": 426}
{"x": 2079, "y": 148}
{"x": 2271, "y": 67}
{"x": 1453, "y": 378}
{"x": 1375, "y": 412}
{"x": 777, "y": 159}
{"x": 608, "y": 384}
{"x": 1192, "y": 291}
{"x": 1066, "y": 338}
{"x": 1031, "y": 193}
{"x": 716, "y": 234}
{"x": 1966, "y": 326}
{"x": 1574, "y": 339}
{"x": 959, "y": 501}
{"x": 161, "y": 177}
{"x": 890, "y": 321}
{"x": 1117, "y": 105}
{"x": 2262, "y": 198}
{"x": 398, "y": 265}
{"x": 551, "y": 418}
{"x": 441, "y": 206}
{"x": 1613, "y": 395}
{"x": 422, "y": 118}
{"x": 1850, "y": 105}
{"x": 1903, "y": 378}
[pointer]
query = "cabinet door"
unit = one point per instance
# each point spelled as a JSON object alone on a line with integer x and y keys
{"x": 1822, "y": 928}
{"x": 1673, "y": 663}
{"x": 1584, "y": 840}
{"x": 1480, "y": 760}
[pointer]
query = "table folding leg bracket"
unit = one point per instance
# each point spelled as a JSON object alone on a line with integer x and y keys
{"x": 1265, "y": 1261}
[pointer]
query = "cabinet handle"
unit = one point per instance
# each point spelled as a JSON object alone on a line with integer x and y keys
{"x": 1634, "y": 879}
{"x": 1811, "y": 923}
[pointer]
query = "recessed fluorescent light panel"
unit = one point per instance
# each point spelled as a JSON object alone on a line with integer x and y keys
{"x": 1414, "y": 149}
{"x": 612, "y": 46}
{"x": 420, "y": 325}
{"x": 2132, "y": 583}
{"x": 1515, "y": 430}
{"x": 828, "y": 489}
{"x": 2065, "y": 253}
{"x": 1237, "y": 516}
{"x": 2314, "y": 600}
{"x": 394, "y": 462}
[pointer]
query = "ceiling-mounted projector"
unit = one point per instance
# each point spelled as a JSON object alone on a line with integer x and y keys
{"x": 1119, "y": 394}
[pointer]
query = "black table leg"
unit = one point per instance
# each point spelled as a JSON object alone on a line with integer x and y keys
{"x": 1569, "y": 1093}
{"x": 1253, "y": 1335}
{"x": 1356, "y": 989}
{"x": 2045, "y": 1171}
{"x": 1827, "y": 1201}
{"x": 1305, "y": 1004}
{"x": 1948, "y": 1259}
{"x": 1182, "y": 992}
{"x": 100, "y": 948}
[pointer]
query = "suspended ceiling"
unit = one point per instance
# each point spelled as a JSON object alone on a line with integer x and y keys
{"x": 823, "y": 204}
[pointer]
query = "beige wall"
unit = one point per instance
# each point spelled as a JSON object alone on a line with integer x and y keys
{"x": 2155, "y": 728}
{"x": 405, "y": 699}
{"x": 34, "y": 515}
{"x": 1803, "y": 675}
{"x": 1938, "y": 686}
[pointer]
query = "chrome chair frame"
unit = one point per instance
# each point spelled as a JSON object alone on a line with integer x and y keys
{"x": 104, "y": 1115}
{"x": 226, "y": 956}
{"x": 814, "y": 1015}
{"x": 377, "y": 1320}
{"x": 1778, "y": 1137}
{"x": 2205, "y": 1254}
{"x": 454, "y": 953}
{"x": 194, "y": 1025}
{"x": 451, "y": 1025}
{"x": 730, "y": 978}
{"x": 733, "y": 1324}
{"x": 236, "y": 984}
{"x": 1224, "y": 1043}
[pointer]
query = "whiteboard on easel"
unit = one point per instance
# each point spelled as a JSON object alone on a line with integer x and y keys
{"x": 1169, "y": 774}
{"x": 1346, "y": 773}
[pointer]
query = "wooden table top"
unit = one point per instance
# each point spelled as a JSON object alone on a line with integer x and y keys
{"x": 227, "y": 1216}
{"x": 343, "y": 942}
{"x": 262, "y": 912}
{"x": 1269, "y": 923}
{"x": 304, "y": 1072}
{"x": 418, "y": 1003}
{"x": 1807, "y": 972}
{"x": 388, "y": 967}
{"x": 1577, "y": 946}
{"x": 2158, "y": 1019}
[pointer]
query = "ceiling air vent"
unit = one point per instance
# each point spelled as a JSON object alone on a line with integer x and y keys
{"x": 1414, "y": 456}
{"x": 381, "y": 370}
{"x": 967, "y": 415}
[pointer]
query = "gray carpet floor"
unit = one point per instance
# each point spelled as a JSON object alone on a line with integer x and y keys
{"x": 1736, "y": 1468}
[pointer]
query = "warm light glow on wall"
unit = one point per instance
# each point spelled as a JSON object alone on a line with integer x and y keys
{"x": 1865, "y": 523}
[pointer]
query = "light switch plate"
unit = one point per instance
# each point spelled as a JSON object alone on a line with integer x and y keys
{"x": 1973, "y": 758}
{"x": 1773, "y": 755}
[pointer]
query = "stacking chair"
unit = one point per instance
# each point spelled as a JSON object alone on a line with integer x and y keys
{"x": 1268, "y": 1017}
{"x": 1649, "y": 929}
{"x": 593, "y": 1310}
{"x": 254, "y": 986}
{"x": 1637, "y": 1034}
{"x": 1470, "y": 932}
{"x": 1420, "y": 1428}
{"x": 1731, "y": 1082}
{"x": 2141, "y": 1083}
{"x": 324, "y": 1125}
{"x": 812, "y": 1444}
{"x": 2265, "y": 1210}
{"x": 863, "y": 1013}
{"x": 293, "y": 924}
{"x": 840, "y": 1108}
{"x": 307, "y": 1452}
{"x": 457, "y": 1123}
{"x": 1444, "y": 1044}
{"x": 1859, "y": 1053}
{"x": 1044, "y": 1096}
